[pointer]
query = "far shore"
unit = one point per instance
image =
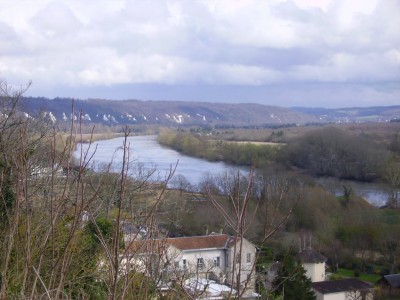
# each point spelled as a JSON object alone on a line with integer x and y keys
{"x": 254, "y": 143}
{"x": 90, "y": 138}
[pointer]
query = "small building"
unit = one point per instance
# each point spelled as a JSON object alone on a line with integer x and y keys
{"x": 390, "y": 284}
{"x": 314, "y": 264}
{"x": 344, "y": 289}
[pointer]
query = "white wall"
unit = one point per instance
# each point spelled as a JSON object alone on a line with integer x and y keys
{"x": 341, "y": 296}
{"x": 208, "y": 258}
{"x": 333, "y": 296}
{"x": 246, "y": 268}
{"x": 357, "y": 295}
{"x": 315, "y": 271}
{"x": 224, "y": 272}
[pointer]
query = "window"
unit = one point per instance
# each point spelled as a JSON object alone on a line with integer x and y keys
{"x": 248, "y": 257}
{"x": 184, "y": 264}
{"x": 200, "y": 263}
{"x": 216, "y": 261}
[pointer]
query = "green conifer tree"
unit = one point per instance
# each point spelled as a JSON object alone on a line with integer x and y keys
{"x": 291, "y": 282}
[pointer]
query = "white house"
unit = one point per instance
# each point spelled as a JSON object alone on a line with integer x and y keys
{"x": 344, "y": 289}
{"x": 218, "y": 257}
{"x": 314, "y": 264}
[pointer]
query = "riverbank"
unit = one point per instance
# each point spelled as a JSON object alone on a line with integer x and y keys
{"x": 89, "y": 138}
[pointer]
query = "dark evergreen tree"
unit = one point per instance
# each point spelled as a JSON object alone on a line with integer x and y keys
{"x": 291, "y": 281}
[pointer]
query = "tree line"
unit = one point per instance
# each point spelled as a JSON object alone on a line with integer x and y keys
{"x": 237, "y": 153}
{"x": 333, "y": 152}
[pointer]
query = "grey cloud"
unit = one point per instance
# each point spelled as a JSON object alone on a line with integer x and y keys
{"x": 10, "y": 44}
{"x": 56, "y": 20}
{"x": 254, "y": 49}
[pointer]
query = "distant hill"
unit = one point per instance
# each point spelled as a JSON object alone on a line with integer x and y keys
{"x": 113, "y": 112}
{"x": 353, "y": 114}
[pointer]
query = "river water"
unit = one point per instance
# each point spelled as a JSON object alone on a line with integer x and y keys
{"x": 147, "y": 152}
{"x": 374, "y": 193}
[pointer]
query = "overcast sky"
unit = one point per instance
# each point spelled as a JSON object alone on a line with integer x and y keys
{"x": 326, "y": 53}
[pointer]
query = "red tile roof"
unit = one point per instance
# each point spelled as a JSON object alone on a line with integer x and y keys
{"x": 147, "y": 246}
{"x": 200, "y": 242}
{"x": 218, "y": 241}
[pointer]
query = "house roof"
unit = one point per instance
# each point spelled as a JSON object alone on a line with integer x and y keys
{"x": 201, "y": 242}
{"x": 343, "y": 285}
{"x": 213, "y": 241}
{"x": 147, "y": 246}
{"x": 392, "y": 280}
{"x": 309, "y": 255}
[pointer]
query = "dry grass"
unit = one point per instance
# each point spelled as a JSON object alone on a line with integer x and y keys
{"x": 378, "y": 132}
{"x": 256, "y": 143}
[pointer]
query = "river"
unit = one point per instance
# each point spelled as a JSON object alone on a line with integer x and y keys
{"x": 147, "y": 152}
{"x": 374, "y": 193}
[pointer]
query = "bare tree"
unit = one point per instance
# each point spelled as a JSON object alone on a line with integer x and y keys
{"x": 59, "y": 222}
{"x": 391, "y": 175}
{"x": 180, "y": 182}
{"x": 246, "y": 197}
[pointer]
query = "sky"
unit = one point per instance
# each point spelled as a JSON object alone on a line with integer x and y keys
{"x": 315, "y": 53}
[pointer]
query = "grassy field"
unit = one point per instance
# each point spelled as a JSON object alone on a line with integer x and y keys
{"x": 346, "y": 273}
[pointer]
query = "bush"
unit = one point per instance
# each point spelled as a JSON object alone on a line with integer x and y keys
{"x": 369, "y": 269}
{"x": 357, "y": 273}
